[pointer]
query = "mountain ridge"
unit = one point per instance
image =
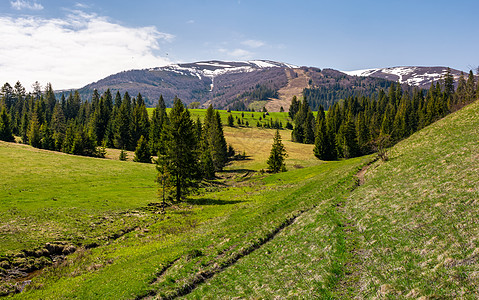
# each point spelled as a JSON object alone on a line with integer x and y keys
{"x": 240, "y": 84}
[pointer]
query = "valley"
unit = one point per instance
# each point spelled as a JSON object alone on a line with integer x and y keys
{"x": 309, "y": 231}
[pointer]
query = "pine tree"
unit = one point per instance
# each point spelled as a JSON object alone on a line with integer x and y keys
{"x": 157, "y": 125}
{"x": 181, "y": 158}
{"x": 142, "y": 152}
{"x": 470, "y": 88}
{"x": 140, "y": 120}
{"x": 123, "y": 124}
{"x": 215, "y": 140}
{"x": 276, "y": 160}
{"x": 346, "y": 138}
{"x": 231, "y": 120}
{"x": 294, "y": 107}
{"x": 323, "y": 148}
{"x": 58, "y": 126}
{"x": 47, "y": 141}
{"x": 362, "y": 133}
{"x": 33, "y": 134}
{"x": 461, "y": 91}
{"x": 5, "y": 126}
{"x": 123, "y": 155}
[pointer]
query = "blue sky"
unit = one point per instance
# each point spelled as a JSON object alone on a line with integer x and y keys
{"x": 72, "y": 43}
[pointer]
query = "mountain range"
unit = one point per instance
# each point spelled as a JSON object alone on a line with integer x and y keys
{"x": 244, "y": 85}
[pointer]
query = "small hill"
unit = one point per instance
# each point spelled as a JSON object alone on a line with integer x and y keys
{"x": 414, "y": 221}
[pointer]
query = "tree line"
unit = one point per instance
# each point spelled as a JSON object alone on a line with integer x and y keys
{"x": 359, "y": 125}
{"x": 188, "y": 151}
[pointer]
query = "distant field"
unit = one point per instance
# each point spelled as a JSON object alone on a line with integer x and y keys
{"x": 251, "y": 117}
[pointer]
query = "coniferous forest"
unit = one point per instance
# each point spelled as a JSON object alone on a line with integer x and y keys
{"x": 360, "y": 125}
{"x": 187, "y": 150}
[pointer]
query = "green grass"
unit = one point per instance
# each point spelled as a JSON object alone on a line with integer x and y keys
{"x": 219, "y": 223}
{"x": 415, "y": 218}
{"x": 48, "y": 196}
{"x": 251, "y": 117}
{"x": 409, "y": 231}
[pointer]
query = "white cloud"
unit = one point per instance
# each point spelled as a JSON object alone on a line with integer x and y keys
{"x": 190, "y": 22}
{"x": 253, "y": 43}
{"x": 236, "y": 53}
{"x": 24, "y": 4}
{"x": 74, "y": 51}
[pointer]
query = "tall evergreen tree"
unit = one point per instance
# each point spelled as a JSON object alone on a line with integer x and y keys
{"x": 346, "y": 140}
{"x": 157, "y": 125}
{"x": 470, "y": 88}
{"x": 323, "y": 148}
{"x": 123, "y": 124}
{"x": 461, "y": 91}
{"x": 294, "y": 107}
{"x": 142, "y": 151}
{"x": 5, "y": 126}
{"x": 215, "y": 140}
{"x": 58, "y": 126}
{"x": 276, "y": 161}
{"x": 181, "y": 157}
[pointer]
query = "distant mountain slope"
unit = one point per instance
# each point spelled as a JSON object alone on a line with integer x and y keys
{"x": 217, "y": 82}
{"x": 237, "y": 85}
{"x": 415, "y": 76}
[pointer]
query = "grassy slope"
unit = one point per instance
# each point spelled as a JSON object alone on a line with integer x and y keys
{"x": 53, "y": 196}
{"x": 409, "y": 231}
{"x": 415, "y": 218}
{"x": 219, "y": 225}
{"x": 47, "y": 196}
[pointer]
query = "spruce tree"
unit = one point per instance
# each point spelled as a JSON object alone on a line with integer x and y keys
{"x": 58, "y": 125}
{"x": 142, "y": 151}
{"x": 181, "y": 157}
{"x": 123, "y": 124}
{"x": 157, "y": 125}
{"x": 276, "y": 161}
{"x": 461, "y": 91}
{"x": 33, "y": 134}
{"x": 323, "y": 148}
{"x": 294, "y": 107}
{"x": 231, "y": 120}
{"x": 470, "y": 88}
{"x": 5, "y": 126}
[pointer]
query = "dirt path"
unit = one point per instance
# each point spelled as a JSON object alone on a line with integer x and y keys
{"x": 297, "y": 81}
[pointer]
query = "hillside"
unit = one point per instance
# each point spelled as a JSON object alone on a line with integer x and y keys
{"x": 408, "y": 231}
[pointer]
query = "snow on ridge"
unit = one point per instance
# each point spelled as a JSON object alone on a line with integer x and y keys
{"x": 364, "y": 72}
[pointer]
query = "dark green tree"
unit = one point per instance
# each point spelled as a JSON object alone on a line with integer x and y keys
{"x": 294, "y": 107}
{"x": 323, "y": 146}
{"x": 181, "y": 157}
{"x": 157, "y": 126}
{"x": 142, "y": 151}
{"x": 470, "y": 88}
{"x": 5, "y": 126}
{"x": 123, "y": 124}
{"x": 231, "y": 120}
{"x": 276, "y": 161}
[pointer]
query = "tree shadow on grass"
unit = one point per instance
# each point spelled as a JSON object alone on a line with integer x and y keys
{"x": 208, "y": 201}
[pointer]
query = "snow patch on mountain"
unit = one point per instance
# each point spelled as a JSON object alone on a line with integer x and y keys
{"x": 212, "y": 69}
{"x": 416, "y": 76}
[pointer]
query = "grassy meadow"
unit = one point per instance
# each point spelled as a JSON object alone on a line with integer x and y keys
{"x": 408, "y": 231}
